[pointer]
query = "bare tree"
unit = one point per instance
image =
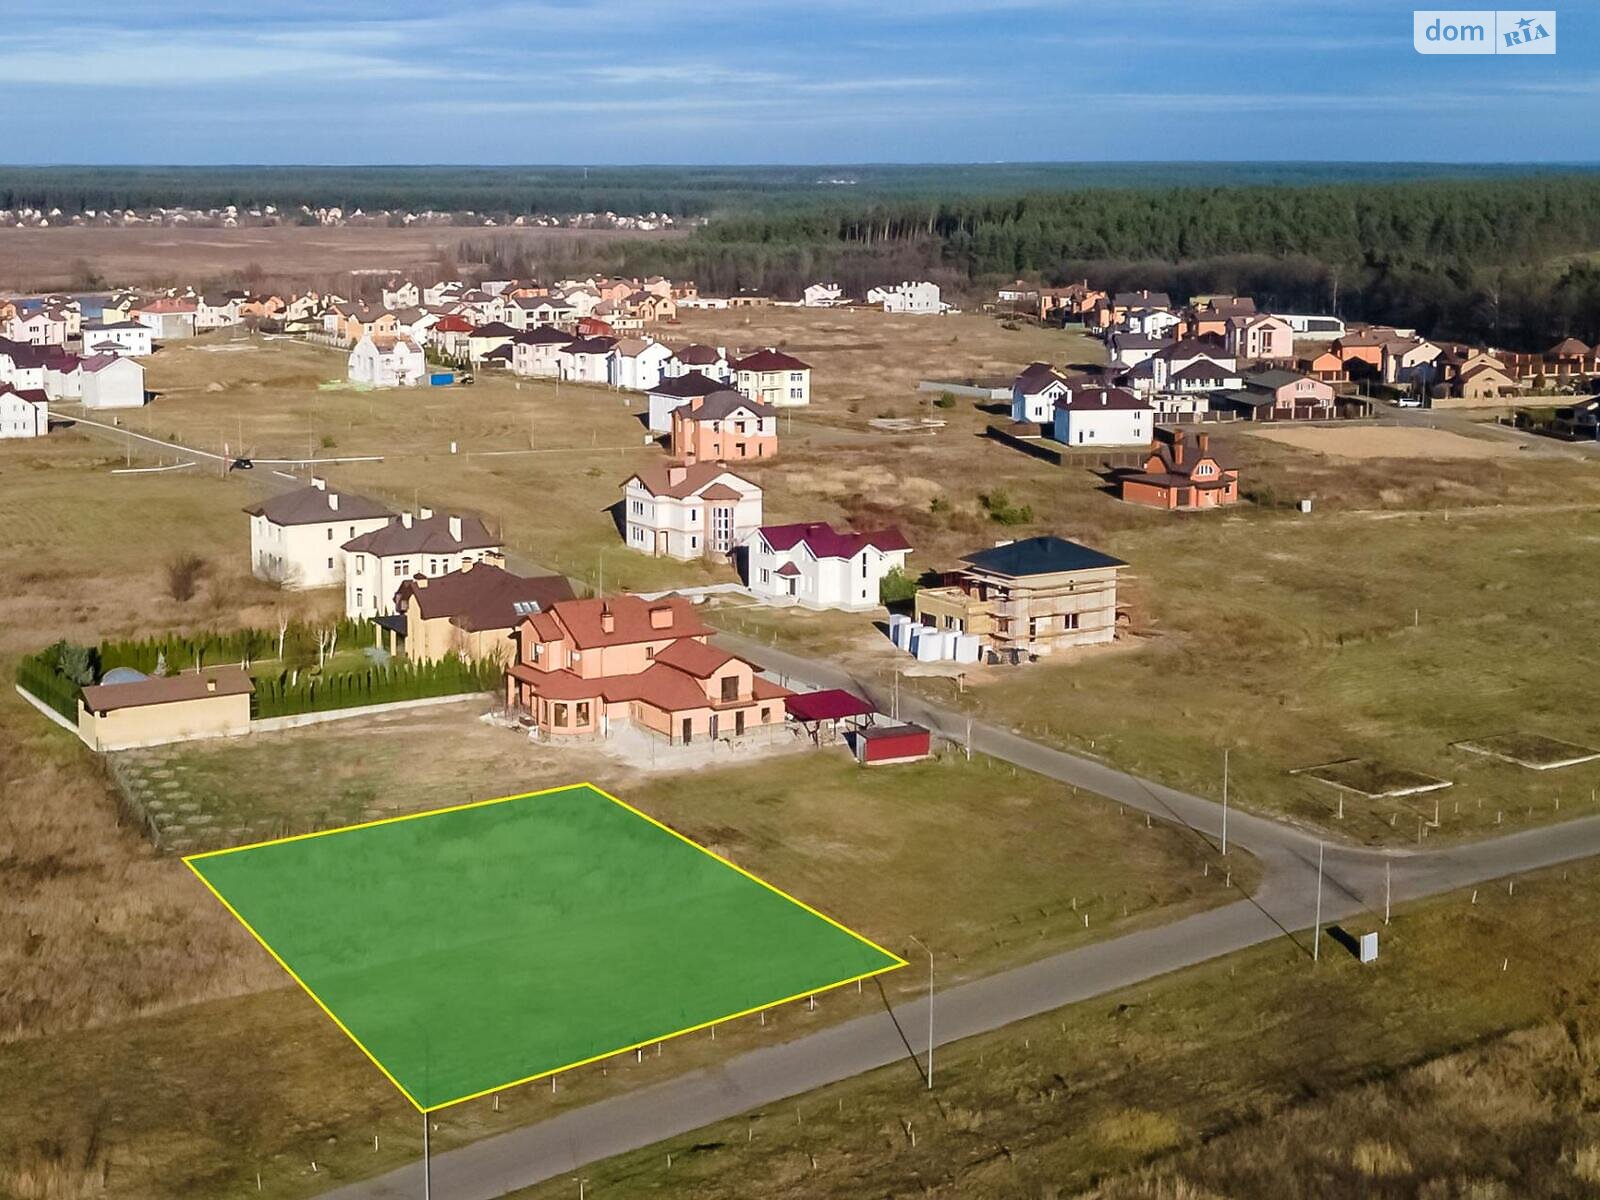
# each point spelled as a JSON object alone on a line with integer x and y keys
{"x": 283, "y": 630}
{"x": 184, "y": 572}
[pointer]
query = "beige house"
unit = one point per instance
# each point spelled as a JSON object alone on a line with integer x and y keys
{"x": 688, "y": 510}
{"x": 472, "y": 613}
{"x": 297, "y": 538}
{"x": 774, "y": 378}
{"x": 156, "y": 710}
{"x": 1031, "y": 596}
{"x": 379, "y": 562}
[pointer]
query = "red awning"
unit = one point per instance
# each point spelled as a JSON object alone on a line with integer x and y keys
{"x": 831, "y": 705}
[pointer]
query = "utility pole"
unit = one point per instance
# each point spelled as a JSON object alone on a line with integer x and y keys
{"x": 924, "y": 945}
{"x": 427, "y": 1164}
{"x": 1224, "y": 801}
{"x": 1387, "y": 892}
{"x": 1316, "y": 942}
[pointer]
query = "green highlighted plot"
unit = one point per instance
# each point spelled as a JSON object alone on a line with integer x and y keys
{"x": 474, "y": 948}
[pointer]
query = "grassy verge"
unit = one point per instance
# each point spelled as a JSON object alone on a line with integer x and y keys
{"x": 1258, "y": 1075}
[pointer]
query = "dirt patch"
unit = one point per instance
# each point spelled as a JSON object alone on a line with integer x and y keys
{"x": 1387, "y": 441}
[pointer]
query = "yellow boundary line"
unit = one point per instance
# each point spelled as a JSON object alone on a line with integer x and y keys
{"x": 189, "y": 861}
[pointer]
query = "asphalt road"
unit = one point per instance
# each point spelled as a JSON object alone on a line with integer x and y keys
{"x": 1284, "y": 905}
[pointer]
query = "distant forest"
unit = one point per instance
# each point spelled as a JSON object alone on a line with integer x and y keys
{"x": 1507, "y": 260}
{"x": 679, "y": 191}
{"x": 1507, "y": 254}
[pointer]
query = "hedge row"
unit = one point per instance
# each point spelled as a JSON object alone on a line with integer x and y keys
{"x": 213, "y": 648}
{"x": 37, "y": 673}
{"x": 283, "y": 697}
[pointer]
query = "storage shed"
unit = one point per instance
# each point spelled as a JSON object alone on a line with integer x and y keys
{"x": 891, "y": 744}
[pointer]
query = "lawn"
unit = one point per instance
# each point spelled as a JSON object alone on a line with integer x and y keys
{"x": 469, "y": 949}
{"x": 1459, "y": 1064}
{"x": 888, "y": 852}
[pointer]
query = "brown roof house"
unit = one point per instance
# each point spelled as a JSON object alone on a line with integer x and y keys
{"x": 473, "y": 612}
{"x": 689, "y": 510}
{"x": 154, "y": 710}
{"x": 1181, "y": 472}
{"x": 583, "y": 665}
{"x": 377, "y": 563}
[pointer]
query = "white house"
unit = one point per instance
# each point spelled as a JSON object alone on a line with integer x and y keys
{"x": 23, "y": 413}
{"x": 297, "y": 538}
{"x": 41, "y": 327}
{"x": 1131, "y": 349}
{"x": 525, "y": 312}
{"x": 908, "y": 297}
{"x": 817, "y": 567}
{"x": 118, "y": 337}
{"x": 1035, "y": 392}
{"x": 586, "y": 360}
{"x": 689, "y": 511}
{"x": 710, "y": 361}
{"x": 168, "y": 317}
{"x": 774, "y": 378}
{"x": 215, "y": 311}
{"x": 1102, "y": 416}
{"x": 537, "y": 351}
{"x": 401, "y": 294}
{"x": 379, "y": 561}
{"x": 387, "y": 360}
{"x": 636, "y": 364}
{"x": 108, "y": 381}
{"x": 1151, "y": 322}
{"x": 23, "y": 366}
{"x": 822, "y": 295}
{"x": 63, "y": 376}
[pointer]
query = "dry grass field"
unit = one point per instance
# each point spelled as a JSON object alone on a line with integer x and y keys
{"x": 48, "y": 259}
{"x": 1431, "y": 1073}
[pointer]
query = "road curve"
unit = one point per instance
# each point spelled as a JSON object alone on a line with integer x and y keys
{"x": 1283, "y": 905}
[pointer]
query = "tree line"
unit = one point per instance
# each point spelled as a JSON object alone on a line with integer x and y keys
{"x": 1506, "y": 260}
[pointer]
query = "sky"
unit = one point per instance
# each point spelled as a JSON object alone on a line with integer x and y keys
{"x": 760, "y": 81}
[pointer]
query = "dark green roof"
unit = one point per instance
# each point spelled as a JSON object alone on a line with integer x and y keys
{"x": 1040, "y": 556}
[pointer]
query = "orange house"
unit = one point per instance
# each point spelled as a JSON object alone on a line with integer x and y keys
{"x": 582, "y": 666}
{"x": 723, "y": 427}
{"x": 1181, "y": 472}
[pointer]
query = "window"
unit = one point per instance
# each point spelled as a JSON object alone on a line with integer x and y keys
{"x": 358, "y": 597}
{"x": 766, "y": 575}
{"x": 730, "y": 688}
{"x": 583, "y": 713}
{"x": 330, "y": 564}
{"x": 330, "y": 533}
{"x": 559, "y": 713}
{"x": 402, "y": 567}
{"x": 361, "y": 564}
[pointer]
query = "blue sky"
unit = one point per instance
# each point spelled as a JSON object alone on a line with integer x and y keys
{"x": 758, "y": 81}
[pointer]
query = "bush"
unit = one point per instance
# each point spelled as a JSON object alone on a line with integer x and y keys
{"x": 945, "y": 400}
{"x": 39, "y": 675}
{"x": 183, "y": 575}
{"x": 1002, "y": 511}
{"x": 279, "y": 697}
{"x": 896, "y": 587}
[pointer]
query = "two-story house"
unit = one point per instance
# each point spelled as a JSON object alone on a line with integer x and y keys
{"x": 472, "y": 613}
{"x": 583, "y": 666}
{"x": 1092, "y": 417}
{"x": 688, "y": 510}
{"x": 815, "y": 566}
{"x": 774, "y": 378}
{"x": 1028, "y": 597}
{"x": 723, "y": 426}
{"x": 297, "y": 538}
{"x": 379, "y": 561}
{"x": 1181, "y": 472}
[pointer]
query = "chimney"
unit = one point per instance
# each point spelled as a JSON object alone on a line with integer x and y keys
{"x": 1177, "y": 450}
{"x": 333, "y": 501}
{"x": 676, "y": 473}
{"x": 211, "y": 685}
{"x": 318, "y": 482}
{"x": 661, "y": 617}
{"x": 455, "y": 528}
{"x": 494, "y": 558}
{"x": 419, "y": 581}
{"x": 425, "y": 512}
{"x": 608, "y": 619}
{"x": 467, "y": 565}
{"x": 1205, "y": 442}
{"x": 405, "y": 519}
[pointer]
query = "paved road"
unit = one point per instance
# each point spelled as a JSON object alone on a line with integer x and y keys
{"x": 1283, "y": 905}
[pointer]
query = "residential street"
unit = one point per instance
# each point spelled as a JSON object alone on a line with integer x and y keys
{"x": 1283, "y": 905}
